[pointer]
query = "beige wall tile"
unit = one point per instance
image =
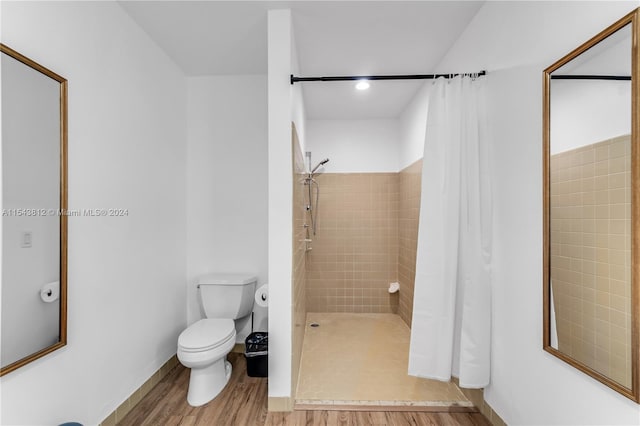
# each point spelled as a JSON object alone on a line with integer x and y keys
{"x": 366, "y": 231}
{"x": 590, "y": 255}
{"x": 410, "y": 180}
{"x": 355, "y": 250}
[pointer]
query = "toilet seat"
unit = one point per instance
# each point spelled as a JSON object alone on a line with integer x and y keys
{"x": 206, "y": 334}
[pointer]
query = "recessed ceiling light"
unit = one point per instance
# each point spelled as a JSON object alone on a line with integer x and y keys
{"x": 362, "y": 85}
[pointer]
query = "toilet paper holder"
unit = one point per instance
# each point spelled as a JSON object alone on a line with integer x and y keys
{"x": 262, "y": 295}
{"x": 50, "y": 292}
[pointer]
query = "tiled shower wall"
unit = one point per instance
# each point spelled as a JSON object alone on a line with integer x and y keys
{"x": 408, "y": 215}
{"x": 366, "y": 238}
{"x": 355, "y": 249}
{"x": 591, "y": 255}
{"x": 299, "y": 258}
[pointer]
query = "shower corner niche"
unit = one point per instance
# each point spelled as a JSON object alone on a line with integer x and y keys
{"x": 34, "y": 245}
{"x": 591, "y": 181}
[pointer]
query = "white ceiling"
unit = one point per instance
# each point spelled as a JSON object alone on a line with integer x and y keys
{"x": 207, "y": 37}
{"x": 332, "y": 38}
{"x": 340, "y": 100}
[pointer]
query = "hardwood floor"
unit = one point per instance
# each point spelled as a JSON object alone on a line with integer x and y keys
{"x": 243, "y": 402}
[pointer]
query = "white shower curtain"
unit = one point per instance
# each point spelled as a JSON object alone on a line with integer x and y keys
{"x": 451, "y": 327}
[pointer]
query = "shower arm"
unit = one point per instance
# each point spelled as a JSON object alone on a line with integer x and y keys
{"x": 322, "y": 163}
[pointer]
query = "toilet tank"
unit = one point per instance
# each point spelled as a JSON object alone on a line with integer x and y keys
{"x": 227, "y": 295}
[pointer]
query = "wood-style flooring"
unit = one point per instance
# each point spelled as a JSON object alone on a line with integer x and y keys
{"x": 243, "y": 402}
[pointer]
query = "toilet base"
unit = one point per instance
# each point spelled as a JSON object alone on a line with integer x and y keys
{"x": 206, "y": 383}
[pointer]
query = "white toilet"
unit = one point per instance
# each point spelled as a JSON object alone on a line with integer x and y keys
{"x": 204, "y": 345}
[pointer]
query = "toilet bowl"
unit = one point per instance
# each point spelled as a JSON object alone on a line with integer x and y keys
{"x": 226, "y": 301}
{"x": 203, "y": 347}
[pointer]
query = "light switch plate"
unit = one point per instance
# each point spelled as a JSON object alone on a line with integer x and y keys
{"x": 26, "y": 239}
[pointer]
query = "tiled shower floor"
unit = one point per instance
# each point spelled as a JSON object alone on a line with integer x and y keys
{"x": 361, "y": 359}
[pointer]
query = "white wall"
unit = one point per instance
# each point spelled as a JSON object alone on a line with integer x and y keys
{"x": 413, "y": 127}
{"x": 355, "y": 146}
{"x": 298, "y": 111}
{"x": 31, "y": 170}
{"x": 226, "y": 180}
{"x": 285, "y": 105}
{"x": 127, "y": 132}
{"x": 280, "y": 109}
{"x": 374, "y": 145}
{"x": 584, "y": 112}
{"x": 515, "y": 41}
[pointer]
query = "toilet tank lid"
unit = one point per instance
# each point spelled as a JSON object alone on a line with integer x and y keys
{"x": 227, "y": 279}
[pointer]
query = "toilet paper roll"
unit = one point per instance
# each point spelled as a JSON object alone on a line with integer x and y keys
{"x": 262, "y": 295}
{"x": 50, "y": 292}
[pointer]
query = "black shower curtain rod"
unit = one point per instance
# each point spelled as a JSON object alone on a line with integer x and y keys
{"x": 591, "y": 77}
{"x": 382, "y": 77}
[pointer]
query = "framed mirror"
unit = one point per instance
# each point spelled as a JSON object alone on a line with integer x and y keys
{"x": 34, "y": 203}
{"x": 592, "y": 207}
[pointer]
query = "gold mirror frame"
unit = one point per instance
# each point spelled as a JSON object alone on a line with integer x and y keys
{"x": 62, "y": 341}
{"x": 633, "y": 393}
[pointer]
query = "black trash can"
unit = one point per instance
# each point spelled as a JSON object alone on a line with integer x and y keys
{"x": 257, "y": 354}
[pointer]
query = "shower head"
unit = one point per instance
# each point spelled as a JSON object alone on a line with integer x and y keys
{"x": 322, "y": 163}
